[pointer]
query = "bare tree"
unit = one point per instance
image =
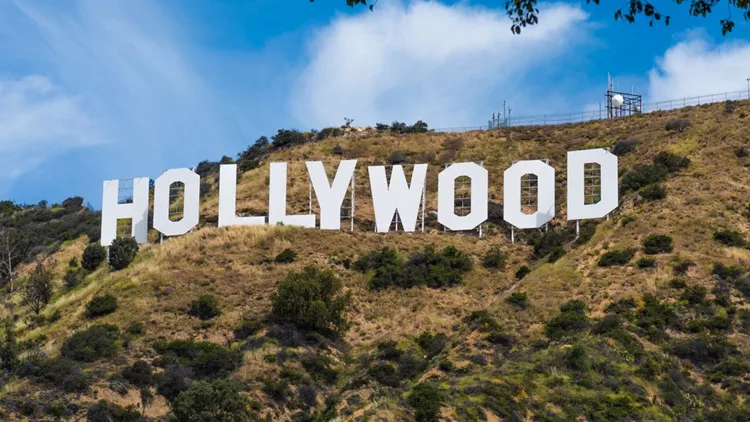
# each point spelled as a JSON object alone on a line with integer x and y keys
{"x": 38, "y": 290}
{"x": 11, "y": 252}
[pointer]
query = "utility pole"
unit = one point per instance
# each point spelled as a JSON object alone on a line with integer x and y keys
{"x": 748, "y": 88}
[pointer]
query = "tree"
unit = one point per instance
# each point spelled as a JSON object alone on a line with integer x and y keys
{"x": 524, "y": 13}
{"x": 8, "y": 347}
{"x": 38, "y": 289}
{"x": 11, "y": 252}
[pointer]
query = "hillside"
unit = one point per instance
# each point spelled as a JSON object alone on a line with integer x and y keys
{"x": 617, "y": 325}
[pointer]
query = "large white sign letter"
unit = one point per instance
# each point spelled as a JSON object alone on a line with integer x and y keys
{"x": 330, "y": 197}
{"x": 277, "y": 201}
{"x": 228, "y": 200}
{"x": 447, "y": 196}
{"x": 545, "y": 194}
{"x": 190, "y": 205}
{"x": 137, "y": 210}
{"x": 577, "y": 208}
{"x": 396, "y": 196}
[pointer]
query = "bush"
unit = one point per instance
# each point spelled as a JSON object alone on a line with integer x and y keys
{"x": 703, "y": 349}
{"x": 61, "y": 373}
{"x": 653, "y": 192}
{"x": 572, "y": 321}
{"x": 729, "y": 106}
{"x": 494, "y": 258}
{"x": 678, "y": 125}
{"x": 694, "y": 294}
{"x": 657, "y": 243}
{"x": 122, "y": 252}
{"x": 100, "y": 306}
{"x": 682, "y": 267}
{"x": 432, "y": 344}
{"x": 319, "y": 368}
{"x": 426, "y": 400}
{"x": 619, "y": 257}
{"x": 624, "y": 146}
{"x": 577, "y": 357}
{"x": 310, "y": 299}
{"x": 385, "y": 373}
{"x": 397, "y": 157}
{"x": 136, "y": 328}
{"x": 99, "y": 341}
{"x": 425, "y": 267}
{"x": 204, "y": 308}
{"x": 671, "y": 162}
{"x": 73, "y": 277}
{"x": 286, "y": 256}
{"x": 522, "y": 272}
{"x": 248, "y": 328}
{"x": 519, "y": 299}
{"x": 729, "y": 238}
{"x": 646, "y": 262}
{"x": 103, "y": 411}
{"x": 641, "y": 176}
{"x": 205, "y": 359}
{"x": 741, "y": 152}
{"x": 217, "y": 400}
{"x": 174, "y": 380}
{"x": 556, "y": 253}
{"x": 140, "y": 374}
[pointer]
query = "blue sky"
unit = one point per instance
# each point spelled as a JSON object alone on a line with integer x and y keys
{"x": 93, "y": 90}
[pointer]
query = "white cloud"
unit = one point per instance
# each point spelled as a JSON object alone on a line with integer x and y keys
{"x": 694, "y": 67}
{"x": 37, "y": 120}
{"x": 447, "y": 65}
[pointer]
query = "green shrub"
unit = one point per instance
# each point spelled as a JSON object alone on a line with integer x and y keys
{"x": 73, "y": 277}
{"x": 677, "y": 124}
{"x": 99, "y": 341}
{"x": 424, "y": 267}
{"x": 397, "y": 157}
{"x": 426, "y": 400}
{"x": 494, "y": 258}
{"x": 205, "y": 359}
{"x": 657, "y": 243}
{"x": 646, "y": 262}
{"x": 671, "y": 162}
{"x": 287, "y": 138}
{"x": 729, "y": 238}
{"x": 703, "y": 349}
{"x": 385, "y": 373}
{"x": 577, "y": 357}
{"x": 140, "y": 374}
{"x": 682, "y": 267}
{"x": 653, "y": 192}
{"x": 101, "y": 305}
{"x": 677, "y": 283}
{"x": 741, "y": 152}
{"x": 694, "y": 294}
{"x": 572, "y": 321}
{"x": 522, "y": 272}
{"x": 122, "y": 252}
{"x": 175, "y": 379}
{"x": 204, "y": 308}
{"x": 432, "y": 344}
{"x": 586, "y": 231}
{"x": 311, "y": 300}
{"x": 624, "y": 146}
{"x": 248, "y": 328}
{"x": 519, "y": 299}
{"x": 618, "y": 257}
{"x": 216, "y": 400}
{"x": 319, "y": 368}
{"x": 286, "y": 256}
{"x": 103, "y": 411}
{"x": 93, "y": 255}
{"x": 556, "y": 253}
{"x": 61, "y": 373}
{"x": 641, "y": 176}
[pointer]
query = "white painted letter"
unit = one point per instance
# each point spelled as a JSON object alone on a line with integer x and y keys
{"x": 545, "y": 194}
{"x": 396, "y": 196}
{"x": 228, "y": 200}
{"x": 137, "y": 210}
{"x": 277, "y": 201}
{"x": 447, "y": 196}
{"x": 330, "y": 197}
{"x": 190, "y": 205}
{"x": 577, "y": 208}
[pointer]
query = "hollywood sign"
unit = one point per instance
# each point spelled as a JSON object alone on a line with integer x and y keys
{"x": 388, "y": 197}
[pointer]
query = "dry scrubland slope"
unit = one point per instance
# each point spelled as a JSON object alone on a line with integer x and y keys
{"x": 233, "y": 264}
